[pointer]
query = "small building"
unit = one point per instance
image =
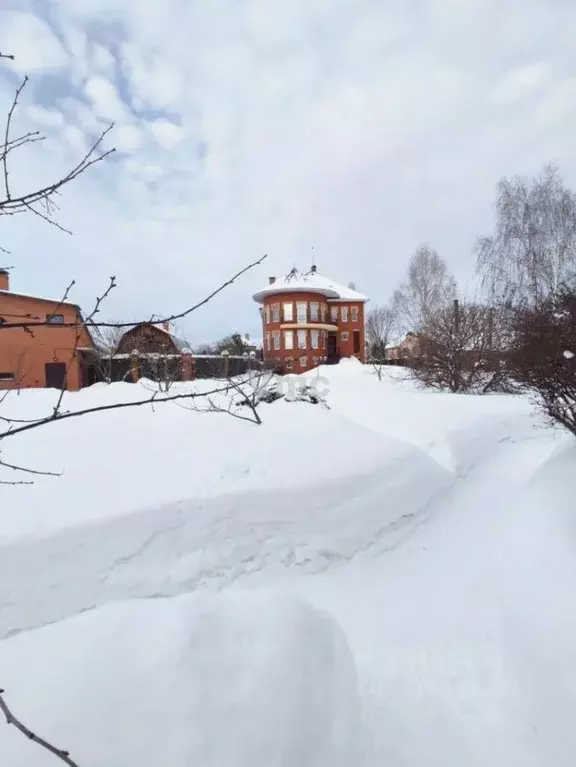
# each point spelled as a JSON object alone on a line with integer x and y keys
{"x": 151, "y": 350}
{"x": 407, "y": 349}
{"x": 310, "y": 320}
{"x": 51, "y": 352}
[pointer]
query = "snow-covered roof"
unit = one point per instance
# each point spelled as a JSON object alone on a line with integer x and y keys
{"x": 312, "y": 281}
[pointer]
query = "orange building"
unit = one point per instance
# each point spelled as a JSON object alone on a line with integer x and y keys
{"x": 51, "y": 351}
{"x": 310, "y": 320}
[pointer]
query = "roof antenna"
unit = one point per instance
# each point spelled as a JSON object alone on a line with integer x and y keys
{"x": 313, "y": 265}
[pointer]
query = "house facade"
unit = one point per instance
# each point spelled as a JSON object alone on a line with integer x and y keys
{"x": 407, "y": 349}
{"x": 310, "y": 320}
{"x": 49, "y": 353}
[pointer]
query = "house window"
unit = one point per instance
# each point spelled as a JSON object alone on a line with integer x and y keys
{"x": 267, "y": 314}
{"x": 334, "y": 313}
{"x": 288, "y": 310}
{"x": 302, "y": 315}
{"x": 276, "y": 339}
{"x": 288, "y": 339}
{"x": 314, "y": 334}
{"x": 5, "y": 376}
{"x": 289, "y": 363}
{"x": 267, "y": 340}
{"x": 303, "y": 361}
{"x": 354, "y": 312}
{"x": 324, "y": 311}
{"x": 345, "y": 335}
{"x": 55, "y": 319}
{"x": 314, "y": 312}
{"x": 275, "y": 312}
{"x": 344, "y": 313}
{"x": 302, "y": 339}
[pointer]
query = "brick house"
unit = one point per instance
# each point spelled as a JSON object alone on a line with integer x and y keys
{"x": 407, "y": 349}
{"x": 51, "y": 354}
{"x": 310, "y": 320}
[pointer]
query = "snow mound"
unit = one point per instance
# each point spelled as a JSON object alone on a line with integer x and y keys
{"x": 241, "y": 680}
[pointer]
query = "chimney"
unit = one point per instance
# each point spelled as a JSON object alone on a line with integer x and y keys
{"x": 313, "y": 269}
{"x": 4, "y": 279}
{"x": 271, "y": 280}
{"x": 352, "y": 285}
{"x": 166, "y": 326}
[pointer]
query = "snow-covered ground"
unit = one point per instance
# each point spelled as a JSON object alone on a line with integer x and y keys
{"x": 389, "y": 581}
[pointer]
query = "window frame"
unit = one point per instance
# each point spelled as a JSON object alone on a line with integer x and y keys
{"x": 267, "y": 314}
{"x": 275, "y": 313}
{"x": 285, "y": 305}
{"x": 344, "y": 313}
{"x": 55, "y": 319}
{"x": 334, "y": 314}
{"x": 314, "y": 312}
{"x": 302, "y": 334}
{"x": 345, "y": 335}
{"x": 299, "y": 305}
{"x": 276, "y": 340}
{"x": 6, "y": 375}
{"x": 354, "y": 313}
{"x": 314, "y": 334}
{"x": 289, "y": 334}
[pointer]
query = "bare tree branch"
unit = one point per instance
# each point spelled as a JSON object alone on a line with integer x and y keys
{"x": 11, "y": 719}
{"x": 153, "y": 318}
{"x": 40, "y": 202}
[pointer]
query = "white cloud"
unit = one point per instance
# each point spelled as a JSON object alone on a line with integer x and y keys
{"x": 128, "y": 138}
{"x": 105, "y": 99}
{"x": 361, "y": 128}
{"x": 167, "y": 134}
{"x": 521, "y": 81}
{"x": 46, "y": 117}
{"x": 102, "y": 59}
{"x": 31, "y": 41}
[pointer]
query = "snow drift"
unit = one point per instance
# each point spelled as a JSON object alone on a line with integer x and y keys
{"x": 436, "y": 530}
{"x": 238, "y": 679}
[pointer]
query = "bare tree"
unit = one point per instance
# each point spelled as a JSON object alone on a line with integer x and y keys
{"x": 533, "y": 248}
{"x": 543, "y": 358}
{"x": 428, "y": 288}
{"x": 381, "y": 322}
{"x": 457, "y": 348}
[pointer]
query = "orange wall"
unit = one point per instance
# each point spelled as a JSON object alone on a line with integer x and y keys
{"x": 345, "y": 348}
{"x": 25, "y": 353}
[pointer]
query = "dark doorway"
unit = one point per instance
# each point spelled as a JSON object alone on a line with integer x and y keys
{"x": 332, "y": 349}
{"x": 356, "y": 341}
{"x": 55, "y": 375}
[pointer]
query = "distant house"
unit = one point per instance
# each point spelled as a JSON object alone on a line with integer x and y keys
{"x": 409, "y": 348}
{"x": 53, "y": 352}
{"x": 309, "y": 320}
{"x": 151, "y": 350}
{"x": 150, "y": 338}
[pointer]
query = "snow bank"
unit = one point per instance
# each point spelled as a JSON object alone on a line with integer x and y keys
{"x": 242, "y": 680}
{"x": 123, "y": 461}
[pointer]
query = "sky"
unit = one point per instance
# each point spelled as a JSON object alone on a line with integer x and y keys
{"x": 340, "y": 132}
